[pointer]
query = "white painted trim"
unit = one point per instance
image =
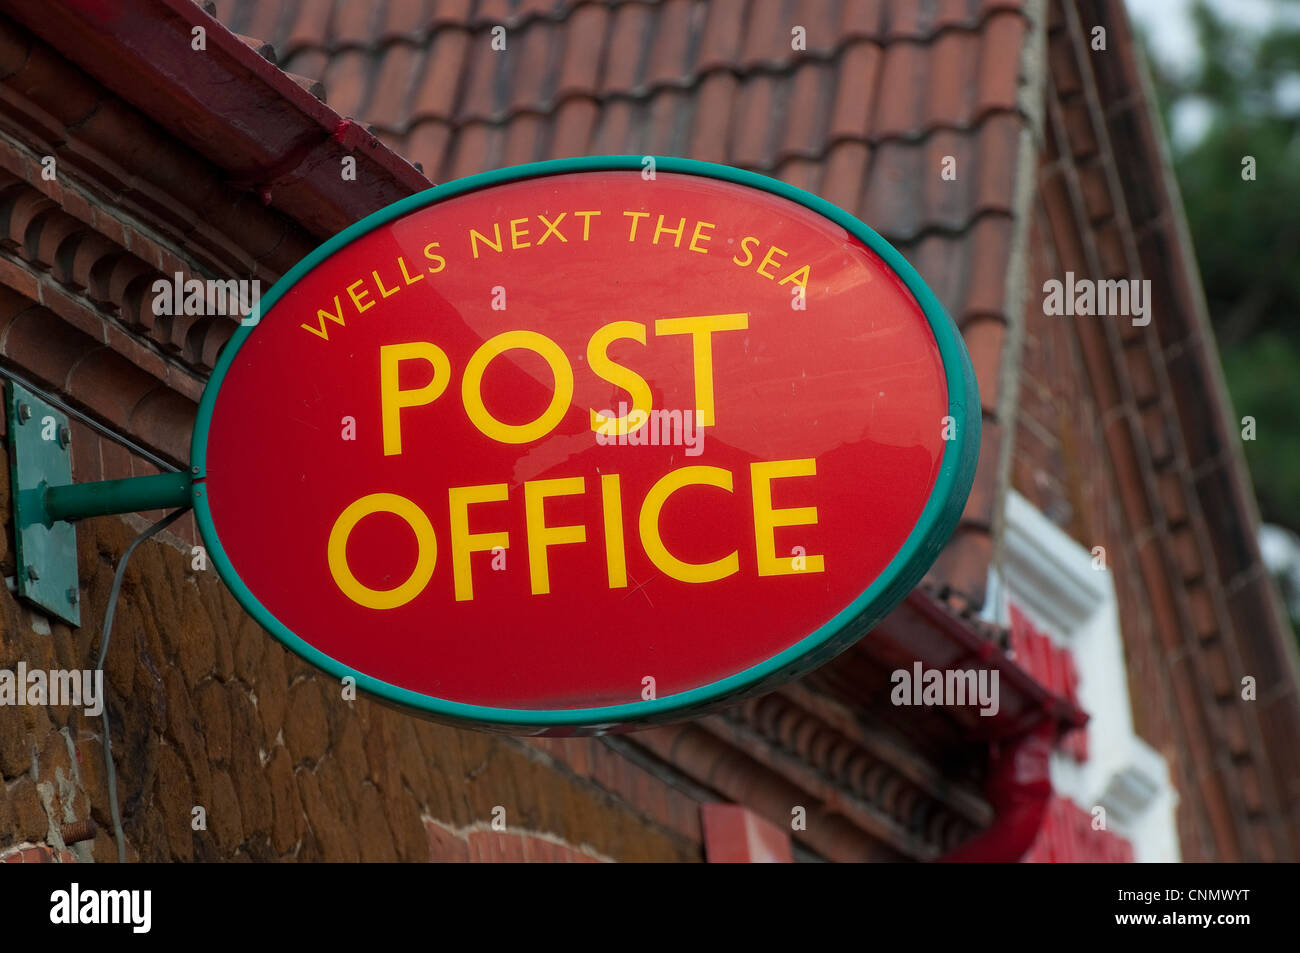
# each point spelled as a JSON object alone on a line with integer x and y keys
{"x": 1054, "y": 575}
{"x": 1058, "y": 585}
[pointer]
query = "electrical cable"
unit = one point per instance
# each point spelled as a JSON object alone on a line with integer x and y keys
{"x": 109, "y": 612}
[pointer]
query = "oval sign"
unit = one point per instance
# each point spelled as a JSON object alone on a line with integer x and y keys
{"x": 586, "y": 444}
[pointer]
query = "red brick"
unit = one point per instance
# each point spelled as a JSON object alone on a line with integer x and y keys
{"x": 71, "y": 310}
{"x": 444, "y": 846}
{"x": 733, "y": 834}
{"x": 164, "y": 420}
{"x": 1204, "y": 621}
{"x": 17, "y": 276}
{"x": 1173, "y": 498}
{"x": 46, "y": 347}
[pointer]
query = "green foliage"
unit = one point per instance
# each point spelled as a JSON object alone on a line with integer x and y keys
{"x": 1263, "y": 374}
{"x": 1247, "y": 233}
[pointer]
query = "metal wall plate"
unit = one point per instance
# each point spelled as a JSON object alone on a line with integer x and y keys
{"x": 40, "y": 456}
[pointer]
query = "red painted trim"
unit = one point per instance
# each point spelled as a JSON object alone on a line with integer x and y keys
{"x": 1019, "y": 788}
{"x": 235, "y": 108}
{"x": 923, "y": 629}
{"x": 733, "y": 834}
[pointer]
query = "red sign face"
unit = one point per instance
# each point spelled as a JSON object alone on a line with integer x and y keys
{"x": 572, "y": 447}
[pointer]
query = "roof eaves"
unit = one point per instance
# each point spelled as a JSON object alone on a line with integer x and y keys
{"x": 226, "y": 101}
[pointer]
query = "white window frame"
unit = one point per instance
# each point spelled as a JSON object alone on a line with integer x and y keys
{"x": 1058, "y": 585}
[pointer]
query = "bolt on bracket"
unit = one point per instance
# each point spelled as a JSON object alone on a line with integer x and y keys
{"x": 40, "y": 457}
{"x": 46, "y": 502}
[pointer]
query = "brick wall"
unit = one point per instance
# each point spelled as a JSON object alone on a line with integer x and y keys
{"x": 1102, "y": 449}
{"x": 1064, "y": 467}
{"x": 207, "y": 709}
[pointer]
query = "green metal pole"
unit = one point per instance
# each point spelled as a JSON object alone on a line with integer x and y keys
{"x": 76, "y": 501}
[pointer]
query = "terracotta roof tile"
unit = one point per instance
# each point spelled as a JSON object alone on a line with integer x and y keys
{"x": 963, "y": 564}
{"x": 266, "y": 19}
{"x": 435, "y": 95}
{"x": 948, "y": 202}
{"x": 854, "y": 97}
{"x": 714, "y": 103}
{"x": 389, "y": 103}
{"x": 613, "y": 131}
{"x": 999, "y": 142}
{"x": 308, "y": 65}
{"x": 985, "y": 293}
{"x": 523, "y": 140}
{"x": 583, "y": 51}
{"x": 955, "y": 13}
{"x": 308, "y": 25}
{"x": 846, "y": 172}
{"x": 666, "y": 123}
{"x": 474, "y": 151}
{"x": 950, "y": 62}
{"x": 894, "y": 185}
{"x": 304, "y": 26}
{"x": 751, "y": 144}
{"x": 984, "y": 337}
{"x": 721, "y": 37}
{"x": 980, "y": 503}
{"x": 908, "y": 20}
{"x": 1003, "y": 39}
{"x": 803, "y": 174}
{"x": 669, "y": 57}
{"x": 484, "y": 69}
{"x": 767, "y": 35}
{"x": 573, "y": 127}
{"x": 625, "y": 48}
{"x": 531, "y": 75}
{"x": 812, "y": 85}
{"x": 450, "y": 11}
{"x": 900, "y": 109}
{"x": 347, "y": 82}
{"x": 353, "y": 23}
{"x": 818, "y": 20}
{"x": 403, "y": 20}
{"x": 862, "y": 17}
{"x": 525, "y": 8}
{"x": 427, "y": 144}
{"x": 260, "y": 47}
{"x": 942, "y": 259}
{"x": 988, "y": 6}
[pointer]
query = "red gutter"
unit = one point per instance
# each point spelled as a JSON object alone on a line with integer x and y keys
{"x": 228, "y": 103}
{"x": 1020, "y": 736}
{"x": 1019, "y": 789}
{"x": 1019, "y": 784}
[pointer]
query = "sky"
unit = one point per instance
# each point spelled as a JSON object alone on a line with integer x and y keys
{"x": 1167, "y": 25}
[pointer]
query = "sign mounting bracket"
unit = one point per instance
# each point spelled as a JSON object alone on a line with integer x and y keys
{"x": 46, "y": 502}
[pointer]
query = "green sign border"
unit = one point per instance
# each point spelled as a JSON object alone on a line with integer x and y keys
{"x": 937, "y": 521}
